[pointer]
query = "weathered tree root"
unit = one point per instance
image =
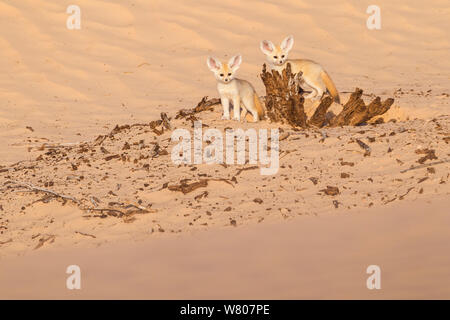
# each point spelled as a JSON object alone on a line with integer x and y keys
{"x": 319, "y": 117}
{"x": 284, "y": 103}
{"x": 355, "y": 111}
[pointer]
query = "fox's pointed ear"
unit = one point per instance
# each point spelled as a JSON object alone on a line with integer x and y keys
{"x": 287, "y": 43}
{"x": 235, "y": 62}
{"x": 213, "y": 63}
{"x": 267, "y": 47}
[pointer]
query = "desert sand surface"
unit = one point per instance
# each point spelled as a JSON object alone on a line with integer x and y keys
{"x": 124, "y": 185}
{"x": 322, "y": 257}
{"x": 133, "y": 59}
{"x": 85, "y": 165}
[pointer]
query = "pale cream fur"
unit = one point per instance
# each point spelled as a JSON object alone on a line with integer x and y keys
{"x": 313, "y": 74}
{"x": 240, "y": 92}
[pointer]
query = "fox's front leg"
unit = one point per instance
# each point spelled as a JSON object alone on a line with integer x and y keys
{"x": 237, "y": 108}
{"x": 226, "y": 108}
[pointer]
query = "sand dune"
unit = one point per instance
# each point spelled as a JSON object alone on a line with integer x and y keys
{"x": 133, "y": 59}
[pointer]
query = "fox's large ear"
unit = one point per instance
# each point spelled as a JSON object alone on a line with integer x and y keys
{"x": 267, "y": 47}
{"x": 235, "y": 62}
{"x": 287, "y": 43}
{"x": 213, "y": 63}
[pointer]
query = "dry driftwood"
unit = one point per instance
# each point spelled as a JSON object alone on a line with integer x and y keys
{"x": 165, "y": 121}
{"x": 203, "y": 105}
{"x": 38, "y": 189}
{"x": 47, "y": 238}
{"x": 245, "y": 169}
{"x": 86, "y": 234}
{"x": 331, "y": 191}
{"x": 355, "y": 111}
{"x": 185, "y": 187}
{"x": 319, "y": 117}
{"x": 284, "y": 103}
{"x": 365, "y": 147}
{"x": 430, "y": 154}
{"x": 425, "y": 165}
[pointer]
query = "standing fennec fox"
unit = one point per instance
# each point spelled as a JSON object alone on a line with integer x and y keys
{"x": 238, "y": 91}
{"x": 313, "y": 74}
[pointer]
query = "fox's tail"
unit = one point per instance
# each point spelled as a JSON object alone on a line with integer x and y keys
{"x": 330, "y": 86}
{"x": 259, "y": 109}
{"x": 258, "y": 106}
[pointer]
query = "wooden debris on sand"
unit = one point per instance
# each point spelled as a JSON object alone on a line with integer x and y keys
{"x": 185, "y": 187}
{"x": 429, "y": 154}
{"x": 285, "y": 103}
{"x": 355, "y": 111}
{"x": 203, "y": 105}
{"x": 331, "y": 191}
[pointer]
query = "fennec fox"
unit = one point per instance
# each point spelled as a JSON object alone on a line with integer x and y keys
{"x": 313, "y": 73}
{"x": 238, "y": 91}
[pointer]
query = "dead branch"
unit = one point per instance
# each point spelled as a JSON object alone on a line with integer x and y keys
{"x": 108, "y": 211}
{"x": 165, "y": 121}
{"x": 61, "y": 145}
{"x": 203, "y": 105}
{"x": 204, "y": 194}
{"x": 331, "y": 191}
{"x": 185, "y": 187}
{"x": 48, "y": 191}
{"x": 364, "y": 146}
{"x": 49, "y": 238}
{"x": 222, "y": 180}
{"x": 206, "y": 104}
{"x": 430, "y": 154}
{"x": 85, "y": 234}
{"x": 425, "y": 165}
{"x": 245, "y": 169}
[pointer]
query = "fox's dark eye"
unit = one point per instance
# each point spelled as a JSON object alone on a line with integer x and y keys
{"x": 282, "y": 56}
{"x": 221, "y": 74}
{"x": 275, "y": 57}
{"x": 229, "y": 74}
